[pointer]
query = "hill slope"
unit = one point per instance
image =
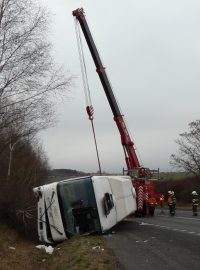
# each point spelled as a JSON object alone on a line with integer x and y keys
{"x": 77, "y": 253}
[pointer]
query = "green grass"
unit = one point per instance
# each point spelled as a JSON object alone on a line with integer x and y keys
{"x": 76, "y": 253}
{"x": 80, "y": 253}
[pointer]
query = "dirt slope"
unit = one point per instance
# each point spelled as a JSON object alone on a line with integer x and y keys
{"x": 77, "y": 253}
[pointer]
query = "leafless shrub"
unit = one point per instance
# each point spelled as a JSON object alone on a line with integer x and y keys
{"x": 182, "y": 188}
{"x": 17, "y": 202}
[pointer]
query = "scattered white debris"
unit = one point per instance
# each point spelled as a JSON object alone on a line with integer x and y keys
{"x": 137, "y": 241}
{"x": 13, "y": 248}
{"x": 43, "y": 260}
{"x": 97, "y": 247}
{"x": 143, "y": 223}
{"x": 113, "y": 232}
{"x": 48, "y": 249}
{"x": 77, "y": 229}
{"x": 146, "y": 241}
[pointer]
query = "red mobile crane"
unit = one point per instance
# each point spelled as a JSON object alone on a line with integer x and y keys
{"x": 141, "y": 177}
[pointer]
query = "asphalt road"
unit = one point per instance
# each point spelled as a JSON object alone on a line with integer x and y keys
{"x": 158, "y": 243}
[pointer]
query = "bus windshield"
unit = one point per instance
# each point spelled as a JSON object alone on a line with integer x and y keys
{"x": 78, "y": 206}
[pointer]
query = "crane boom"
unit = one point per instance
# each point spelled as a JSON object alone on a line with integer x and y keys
{"x": 131, "y": 158}
{"x": 141, "y": 177}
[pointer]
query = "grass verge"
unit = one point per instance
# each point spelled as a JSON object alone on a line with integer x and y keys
{"x": 89, "y": 252}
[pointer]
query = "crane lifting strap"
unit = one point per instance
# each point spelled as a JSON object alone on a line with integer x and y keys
{"x": 89, "y": 108}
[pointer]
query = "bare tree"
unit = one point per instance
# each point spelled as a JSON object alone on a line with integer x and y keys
{"x": 28, "y": 74}
{"x": 188, "y": 156}
{"x": 24, "y": 128}
{"x": 29, "y": 78}
{"x": 29, "y": 82}
{"x": 17, "y": 202}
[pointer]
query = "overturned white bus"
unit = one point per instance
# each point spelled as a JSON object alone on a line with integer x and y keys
{"x": 86, "y": 205}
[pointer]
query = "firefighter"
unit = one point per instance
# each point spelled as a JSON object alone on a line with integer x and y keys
{"x": 171, "y": 202}
{"x": 161, "y": 199}
{"x": 195, "y": 202}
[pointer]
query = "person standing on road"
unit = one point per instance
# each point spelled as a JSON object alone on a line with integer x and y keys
{"x": 171, "y": 202}
{"x": 162, "y": 199}
{"x": 195, "y": 202}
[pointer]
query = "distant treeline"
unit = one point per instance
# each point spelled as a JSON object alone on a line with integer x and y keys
{"x": 63, "y": 172}
{"x": 182, "y": 187}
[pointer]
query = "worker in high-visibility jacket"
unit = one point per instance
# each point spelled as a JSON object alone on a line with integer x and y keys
{"x": 171, "y": 202}
{"x": 195, "y": 202}
{"x": 161, "y": 199}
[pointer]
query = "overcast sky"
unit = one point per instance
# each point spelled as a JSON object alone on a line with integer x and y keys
{"x": 151, "y": 51}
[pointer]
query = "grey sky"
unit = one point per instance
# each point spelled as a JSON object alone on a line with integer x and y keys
{"x": 151, "y": 51}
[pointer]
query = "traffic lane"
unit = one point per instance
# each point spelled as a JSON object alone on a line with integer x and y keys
{"x": 146, "y": 247}
{"x": 181, "y": 221}
{"x": 182, "y": 212}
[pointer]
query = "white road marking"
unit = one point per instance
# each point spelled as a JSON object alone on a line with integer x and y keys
{"x": 188, "y": 218}
{"x": 174, "y": 229}
{"x": 168, "y": 228}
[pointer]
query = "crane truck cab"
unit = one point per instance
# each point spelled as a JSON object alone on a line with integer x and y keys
{"x": 85, "y": 205}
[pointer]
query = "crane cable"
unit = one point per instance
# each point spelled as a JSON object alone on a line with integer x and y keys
{"x": 89, "y": 107}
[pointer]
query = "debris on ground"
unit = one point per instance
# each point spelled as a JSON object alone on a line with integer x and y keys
{"x": 13, "y": 248}
{"x": 48, "y": 249}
